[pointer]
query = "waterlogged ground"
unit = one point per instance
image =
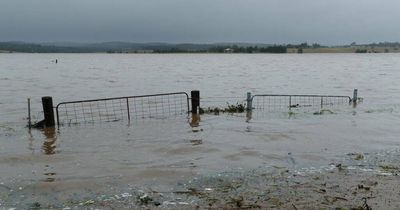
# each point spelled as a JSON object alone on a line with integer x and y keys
{"x": 189, "y": 163}
{"x": 345, "y": 158}
{"x": 355, "y": 181}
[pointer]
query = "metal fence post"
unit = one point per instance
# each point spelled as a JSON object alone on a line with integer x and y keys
{"x": 48, "y": 111}
{"x": 355, "y": 97}
{"x": 195, "y": 96}
{"x": 29, "y": 114}
{"x": 249, "y": 102}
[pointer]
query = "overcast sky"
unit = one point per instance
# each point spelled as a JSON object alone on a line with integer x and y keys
{"x": 201, "y": 21}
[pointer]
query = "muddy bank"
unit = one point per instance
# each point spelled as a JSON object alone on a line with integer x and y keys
{"x": 333, "y": 189}
{"x": 355, "y": 181}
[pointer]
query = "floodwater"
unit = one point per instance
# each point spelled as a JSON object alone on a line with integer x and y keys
{"x": 161, "y": 152}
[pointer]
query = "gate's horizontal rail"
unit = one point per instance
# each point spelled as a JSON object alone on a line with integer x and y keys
{"x": 124, "y": 97}
{"x": 324, "y": 96}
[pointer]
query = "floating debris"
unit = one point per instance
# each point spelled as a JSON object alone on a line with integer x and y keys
{"x": 196, "y": 142}
{"x": 166, "y": 203}
{"x": 86, "y": 203}
{"x": 126, "y": 195}
{"x": 35, "y": 206}
{"x": 145, "y": 199}
{"x": 391, "y": 169}
{"x": 356, "y": 156}
{"x": 324, "y": 111}
{"x": 231, "y": 108}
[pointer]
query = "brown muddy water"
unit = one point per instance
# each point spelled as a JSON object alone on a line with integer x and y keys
{"x": 78, "y": 162}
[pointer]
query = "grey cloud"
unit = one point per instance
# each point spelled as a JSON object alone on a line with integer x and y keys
{"x": 268, "y": 21}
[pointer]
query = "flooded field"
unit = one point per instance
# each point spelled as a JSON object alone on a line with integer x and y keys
{"x": 123, "y": 162}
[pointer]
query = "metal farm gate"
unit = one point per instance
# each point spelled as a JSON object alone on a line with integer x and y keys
{"x": 123, "y": 108}
{"x": 274, "y": 102}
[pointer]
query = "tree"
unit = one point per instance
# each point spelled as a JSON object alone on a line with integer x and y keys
{"x": 316, "y": 45}
{"x": 300, "y": 50}
{"x": 304, "y": 45}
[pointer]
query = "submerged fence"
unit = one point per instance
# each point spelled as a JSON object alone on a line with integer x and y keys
{"x": 272, "y": 102}
{"x": 123, "y": 108}
{"x": 160, "y": 106}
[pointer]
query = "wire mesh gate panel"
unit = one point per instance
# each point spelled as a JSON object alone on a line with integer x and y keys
{"x": 123, "y": 108}
{"x": 304, "y": 102}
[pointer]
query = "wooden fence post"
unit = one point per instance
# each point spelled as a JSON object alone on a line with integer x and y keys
{"x": 195, "y": 96}
{"x": 48, "y": 111}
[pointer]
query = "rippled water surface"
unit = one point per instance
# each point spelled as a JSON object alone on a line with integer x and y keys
{"x": 171, "y": 149}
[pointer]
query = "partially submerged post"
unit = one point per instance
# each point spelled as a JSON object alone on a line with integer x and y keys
{"x": 355, "y": 97}
{"x": 249, "y": 107}
{"x": 195, "y": 96}
{"x": 249, "y": 102}
{"x": 29, "y": 114}
{"x": 48, "y": 111}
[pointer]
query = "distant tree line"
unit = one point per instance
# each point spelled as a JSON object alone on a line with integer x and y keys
{"x": 250, "y": 49}
{"x": 126, "y": 47}
{"x": 384, "y": 44}
{"x": 380, "y": 44}
{"x": 305, "y": 45}
{"x": 222, "y": 49}
{"x": 37, "y": 48}
{"x": 179, "y": 48}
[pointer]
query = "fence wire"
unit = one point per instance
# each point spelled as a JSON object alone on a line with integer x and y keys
{"x": 123, "y": 108}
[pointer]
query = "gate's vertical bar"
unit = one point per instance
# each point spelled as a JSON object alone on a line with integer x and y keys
{"x": 249, "y": 101}
{"x": 290, "y": 102}
{"x": 322, "y": 102}
{"x": 195, "y": 95}
{"x": 58, "y": 118}
{"x": 127, "y": 108}
{"x": 187, "y": 102}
